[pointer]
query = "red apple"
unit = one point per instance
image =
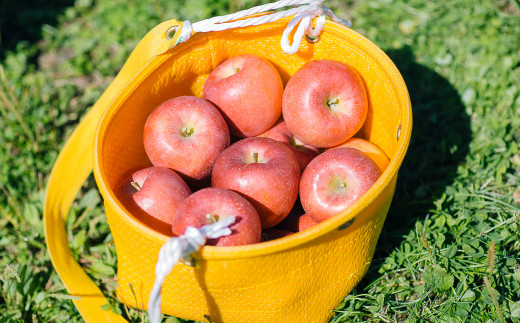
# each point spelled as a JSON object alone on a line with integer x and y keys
{"x": 186, "y": 134}
{"x": 153, "y": 195}
{"x": 335, "y": 180}
{"x": 297, "y": 220}
{"x": 212, "y": 204}
{"x": 290, "y": 222}
{"x": 271, "y": 234}
{"x": 373, "y": 151}
{"x": 325, "y": 103}
{"x": 305, "y": 222}
{"x": 248, "y": 90}
{"x": 263, "y": 170}
{"x": 304, "y": 153}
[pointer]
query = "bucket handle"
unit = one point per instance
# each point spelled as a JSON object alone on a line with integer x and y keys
{"x": 72, "y": 168}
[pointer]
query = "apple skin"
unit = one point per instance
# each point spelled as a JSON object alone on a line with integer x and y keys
{"x": 186, "y": 134}
{"x": 263, "y": 170}
{"x": 335, "y": 180}
{"x": 372, "y": 151}
{"x": 305, "y": 222}
{"x": 247, "y": 90}
{"x": 304, "y": 153}
{"x": 297, "y": 220}
{"x": 325, "y": 103}
{"x": 290, "y": 222}
{"x": 154, "y": 196}
{"x": 211, "y": 204}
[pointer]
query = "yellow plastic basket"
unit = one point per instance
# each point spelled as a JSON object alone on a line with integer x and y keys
{"x": 299, "y": 278}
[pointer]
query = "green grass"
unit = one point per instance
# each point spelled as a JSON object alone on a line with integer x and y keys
{"x": 449, "y": 250}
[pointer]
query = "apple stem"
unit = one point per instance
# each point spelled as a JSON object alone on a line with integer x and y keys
{"x": 254, "y": 157}
{"x": 212, "y": 218}
{"x": 136, "y": 185}
{"x": 331, "y": 103}
{"x": 295, "y": 143}
{"x": 237, "y": 69}
{"x": 185, "y": 132}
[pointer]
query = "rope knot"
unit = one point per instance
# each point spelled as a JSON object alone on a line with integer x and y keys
{"x": 186, "y": 31}
{"x": 304, "y": 13}
{"x": 304, "y": 23}
{"x": 181, "y": 248}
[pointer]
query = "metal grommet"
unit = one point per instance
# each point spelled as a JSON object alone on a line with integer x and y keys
{"x": 398, "y": 134}
{"x": 189, "y": 261}
{"x": 312, "y": 39}
{"x": 171, "y": 32}
{"x": 346, "y": 224}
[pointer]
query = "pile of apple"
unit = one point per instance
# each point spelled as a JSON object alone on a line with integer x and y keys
{"x": 293, "y": 161}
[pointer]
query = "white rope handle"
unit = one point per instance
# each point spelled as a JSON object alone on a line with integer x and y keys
{"x": 306, "y": 11}
{"x": 181, "y": 248}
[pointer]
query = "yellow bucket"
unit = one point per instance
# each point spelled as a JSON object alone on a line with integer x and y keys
{"x": 299, "y": 278}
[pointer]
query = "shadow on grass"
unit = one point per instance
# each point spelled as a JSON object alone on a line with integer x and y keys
{"x": 21, "y": 20}
{"x": 440, "y": 140}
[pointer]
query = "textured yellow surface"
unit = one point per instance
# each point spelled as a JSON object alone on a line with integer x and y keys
{"x": 300, "y": 278}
